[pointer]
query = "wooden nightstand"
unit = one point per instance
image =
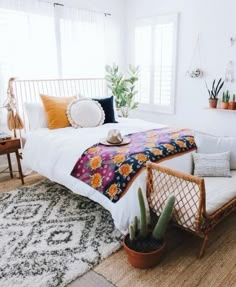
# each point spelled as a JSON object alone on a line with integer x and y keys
{"x": 12, "y": 146}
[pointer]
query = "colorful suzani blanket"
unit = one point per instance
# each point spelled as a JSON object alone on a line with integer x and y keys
{"x": 111, "y": 169}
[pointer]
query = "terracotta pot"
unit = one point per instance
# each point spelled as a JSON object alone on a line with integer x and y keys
{"x": 232, "y": 106}
{"x": 224, "y": 105}
{"x": 143, "y": 260}
{"x": 213, "y": 103}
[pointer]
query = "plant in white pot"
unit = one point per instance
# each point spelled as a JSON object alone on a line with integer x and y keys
{"x": 144, "y": 247}
{"x": 123, "y": 88}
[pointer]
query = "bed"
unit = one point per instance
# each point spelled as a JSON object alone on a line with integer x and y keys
{"x": 53, "y": 153}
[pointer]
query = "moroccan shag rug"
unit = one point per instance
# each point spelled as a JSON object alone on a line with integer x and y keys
{"x": 50, "y": 236}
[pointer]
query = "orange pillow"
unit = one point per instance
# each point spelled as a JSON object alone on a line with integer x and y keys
{"x": 55, "y": 109}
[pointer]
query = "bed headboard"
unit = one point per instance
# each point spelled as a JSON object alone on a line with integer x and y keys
{"x": 28, "y": 91}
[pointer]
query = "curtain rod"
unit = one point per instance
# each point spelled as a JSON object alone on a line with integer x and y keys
{"x": 106, "y": 14}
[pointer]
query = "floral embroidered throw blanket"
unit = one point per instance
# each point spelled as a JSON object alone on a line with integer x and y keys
{"x": 111, "y": 169}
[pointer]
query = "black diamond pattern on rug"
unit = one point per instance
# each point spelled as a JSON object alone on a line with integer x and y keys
{"x": 50, "y": 236}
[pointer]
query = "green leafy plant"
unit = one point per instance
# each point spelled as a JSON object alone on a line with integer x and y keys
{"x": 123, "y": 88}
{"x": 233, "y": 99}
{"x": 140, "y": 239}
{"x": 226, "y": 97}
{"x": 215, "y": 89}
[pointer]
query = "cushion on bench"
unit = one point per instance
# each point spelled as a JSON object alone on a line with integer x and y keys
{"x": 219, "y": 191}
{"x": 214, "y": 144}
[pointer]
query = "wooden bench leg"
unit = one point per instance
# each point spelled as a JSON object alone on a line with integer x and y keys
{"x": 203, "y": 246}
{"x": 19, "y": 167}
{"x": 9, "y": 164}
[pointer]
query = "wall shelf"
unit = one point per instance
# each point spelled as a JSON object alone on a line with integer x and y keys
{"x": 221, "y": 110}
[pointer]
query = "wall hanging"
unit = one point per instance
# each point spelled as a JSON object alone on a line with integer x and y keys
{"x": 195, "y": 72}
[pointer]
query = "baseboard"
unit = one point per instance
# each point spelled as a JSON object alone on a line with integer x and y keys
{"x": 4, "y": 162}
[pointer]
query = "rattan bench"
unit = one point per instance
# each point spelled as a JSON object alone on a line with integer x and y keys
{"x": 190, "y": 207}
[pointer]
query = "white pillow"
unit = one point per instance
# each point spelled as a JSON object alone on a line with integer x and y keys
{"x": 114, "y": 105}
{"x": 36, "y": 116}
{"x": 214, "y": 144}
{"x": 85, "y": 113}
{"x": 215, "y": 164}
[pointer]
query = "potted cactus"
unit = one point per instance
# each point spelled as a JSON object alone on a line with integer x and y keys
{"x": 144, "y": 247}
{"x": 214, "y": 92}
{"x": 225, "y": 100}
{"x": 232, "y": 104}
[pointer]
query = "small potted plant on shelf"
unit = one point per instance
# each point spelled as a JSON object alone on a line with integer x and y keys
{"x": 144, "y": 247}
{"x": 214, "y": 92}
{"x": 225, "y": 100}
{"x": 232, "y": 104}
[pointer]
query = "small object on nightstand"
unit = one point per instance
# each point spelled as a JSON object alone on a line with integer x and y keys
{"x": 4, "y": 136}
{"x": 8, "y": 146}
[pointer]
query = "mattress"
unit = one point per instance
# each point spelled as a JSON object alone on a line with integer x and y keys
{"x": 53, "y": 153}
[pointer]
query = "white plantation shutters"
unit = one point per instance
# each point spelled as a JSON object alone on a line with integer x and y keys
{"x": 155, "y": 53}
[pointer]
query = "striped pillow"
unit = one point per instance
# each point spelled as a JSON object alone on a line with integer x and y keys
{"x": 209, "y": 165}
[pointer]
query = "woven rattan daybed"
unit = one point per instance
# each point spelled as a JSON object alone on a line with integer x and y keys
{"x": 196, "y": 209}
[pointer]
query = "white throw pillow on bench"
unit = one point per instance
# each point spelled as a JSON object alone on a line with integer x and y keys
{"x": 209, "y": 144}
{"x": 212, "y": 165}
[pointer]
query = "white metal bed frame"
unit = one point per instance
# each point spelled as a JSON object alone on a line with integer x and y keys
{"x": 28, "y": 91}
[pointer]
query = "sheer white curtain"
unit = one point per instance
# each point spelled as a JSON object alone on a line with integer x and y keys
{"x": 40, "y": 40}
{"x": 81, "y": 42}
{"x": 28, "y": 46}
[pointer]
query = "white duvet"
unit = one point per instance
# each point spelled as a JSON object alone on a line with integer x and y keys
{"x": 53, "y": 154}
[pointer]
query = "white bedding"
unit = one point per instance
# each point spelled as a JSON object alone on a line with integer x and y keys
{"x": 53, "y": 154}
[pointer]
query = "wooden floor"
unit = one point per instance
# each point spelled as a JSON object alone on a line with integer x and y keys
{"x": 8, "y": 184}
{"x": 179, "y": 268}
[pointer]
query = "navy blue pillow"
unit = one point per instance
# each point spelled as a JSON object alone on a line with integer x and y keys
{"x": 108, "y": 107}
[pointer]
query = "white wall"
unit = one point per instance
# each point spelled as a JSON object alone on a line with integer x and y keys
{"x": 215, "y": 22}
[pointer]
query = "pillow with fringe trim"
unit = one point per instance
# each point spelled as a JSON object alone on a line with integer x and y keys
{"x": 85, "y": 113}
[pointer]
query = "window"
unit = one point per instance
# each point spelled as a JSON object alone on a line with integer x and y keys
{"x": 39, "y": 40}
{"x": 155, "y": 53}
{"x": 42, "y": 40}
{"x": 82, "y": 43}
{"x": 26, "y": 50}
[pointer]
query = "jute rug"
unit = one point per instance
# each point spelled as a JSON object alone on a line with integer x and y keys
{"x": 49, "y": 236}
{"x": 180, "y": 267}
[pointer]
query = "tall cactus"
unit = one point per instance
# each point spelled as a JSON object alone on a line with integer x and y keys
{"x": 226, "y": 97}
{"x": 143, "y": 218}
{"x": 135, "y": 225}
{"x": 131, "y": 232}
{"x": 160, "y": 228}
{"x": 138, "y": 228}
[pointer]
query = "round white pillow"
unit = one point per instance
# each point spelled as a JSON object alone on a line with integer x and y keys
{"x": 85, "y": 113}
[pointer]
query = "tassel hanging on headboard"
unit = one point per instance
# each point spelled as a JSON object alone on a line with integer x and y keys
{"x": 14, "y": 120}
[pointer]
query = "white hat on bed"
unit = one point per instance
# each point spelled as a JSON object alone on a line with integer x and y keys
{"x": 114, "y": 137}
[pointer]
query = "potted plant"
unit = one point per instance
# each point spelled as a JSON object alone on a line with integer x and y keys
{"x": 225, "y": 100}
{"x": 123, "y": 88}
{"x": 214, "y": 92}
{"x": 232, "y": 104}
{"x": 144, "y": 247}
